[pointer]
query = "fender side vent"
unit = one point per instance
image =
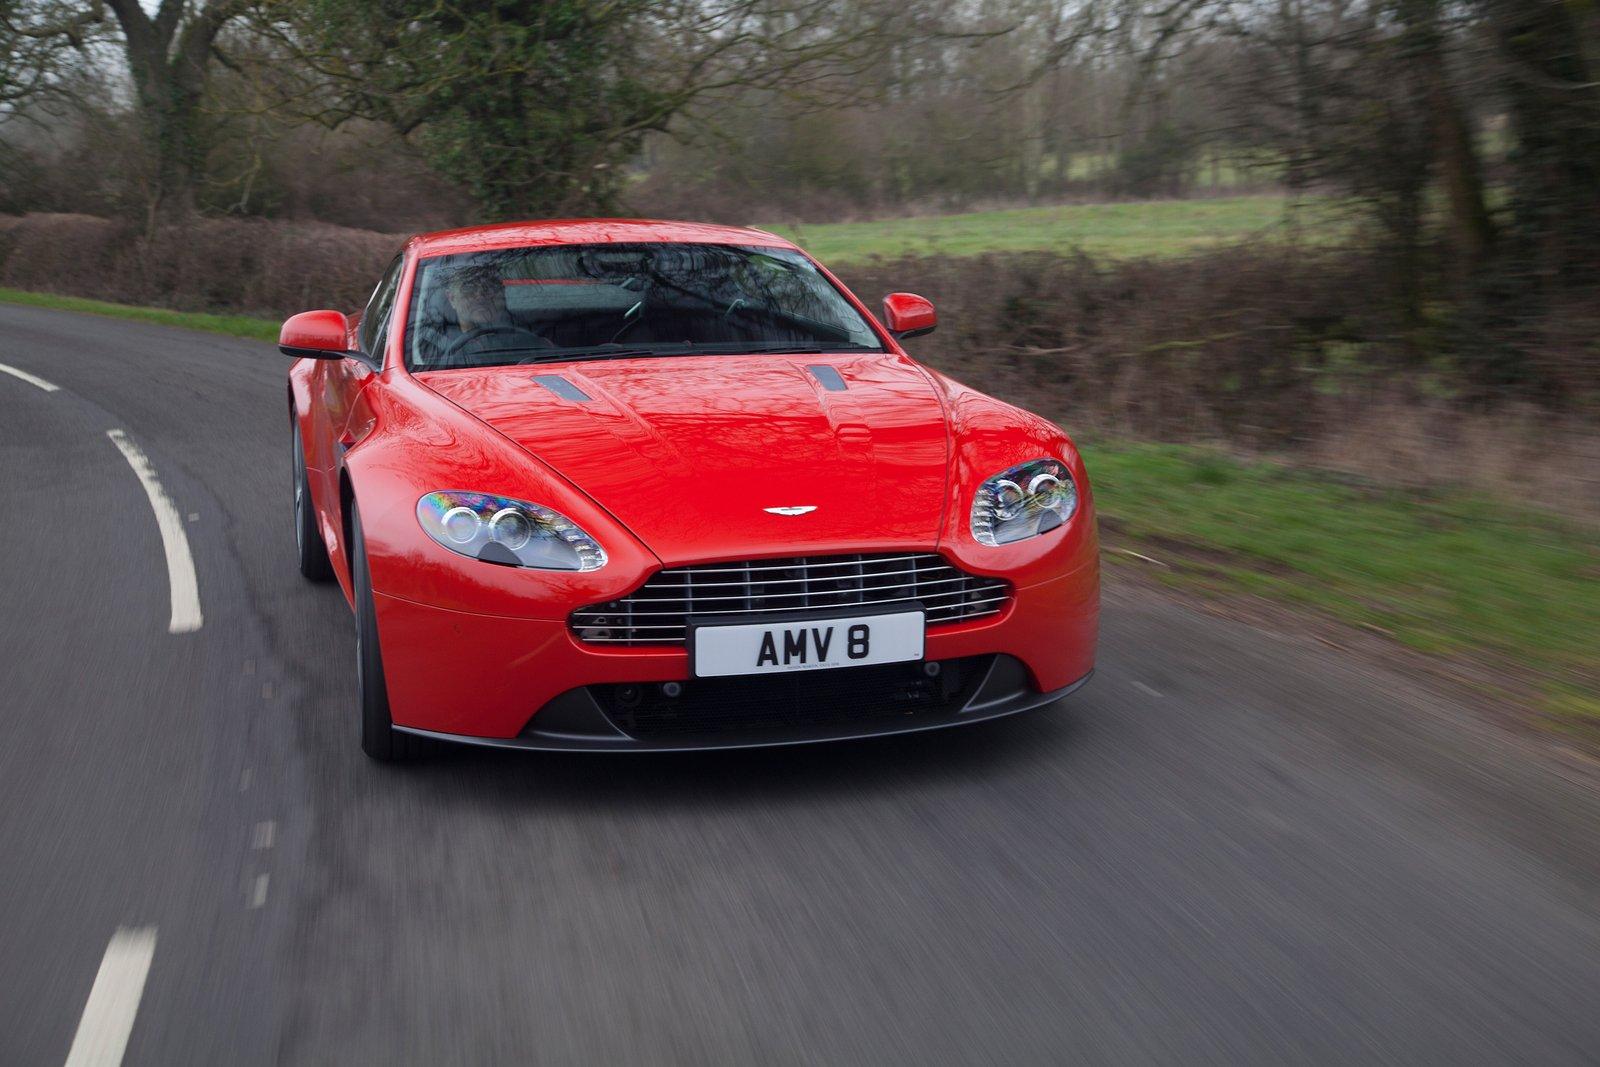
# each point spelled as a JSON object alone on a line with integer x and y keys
{"x": 828, "y": 377}
{"x": 561, "y": 387}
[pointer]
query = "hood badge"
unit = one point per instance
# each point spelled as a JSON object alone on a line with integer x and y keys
{"x": 792, "y": 510}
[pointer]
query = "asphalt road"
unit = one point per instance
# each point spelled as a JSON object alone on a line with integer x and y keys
{"x": 1233, "y": 846}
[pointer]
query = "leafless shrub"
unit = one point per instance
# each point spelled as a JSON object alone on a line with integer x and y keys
{"x": 240, "y": 265}
{"x": 1234, "y": 346}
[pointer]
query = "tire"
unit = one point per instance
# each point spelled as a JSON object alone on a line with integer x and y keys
{"x": 311, "y": 552}
{"x": 379, "y": 739}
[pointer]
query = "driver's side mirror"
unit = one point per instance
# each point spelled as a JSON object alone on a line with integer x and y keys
{"x": 908, "y": 315}
{"x": 315, "y": 335}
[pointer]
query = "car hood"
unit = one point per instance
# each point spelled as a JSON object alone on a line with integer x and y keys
{"x": 689, "y": 452}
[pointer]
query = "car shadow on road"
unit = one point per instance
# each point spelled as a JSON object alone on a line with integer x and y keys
{"x": 749, "y": 776}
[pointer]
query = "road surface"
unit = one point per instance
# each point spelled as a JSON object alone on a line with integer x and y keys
{"x": 1232, "y": 846}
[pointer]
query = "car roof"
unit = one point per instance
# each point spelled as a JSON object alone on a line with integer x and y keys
{"x": 586, "y": 231}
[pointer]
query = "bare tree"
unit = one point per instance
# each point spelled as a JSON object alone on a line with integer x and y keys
{"x": 35, "y": 39}
{"x": 169, "y": 53}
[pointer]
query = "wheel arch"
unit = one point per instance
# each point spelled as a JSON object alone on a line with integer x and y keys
{"x": 344, "y": 567}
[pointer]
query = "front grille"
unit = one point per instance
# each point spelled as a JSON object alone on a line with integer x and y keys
{"x": 802, "y": 702}
{"x": 655, "y": 614}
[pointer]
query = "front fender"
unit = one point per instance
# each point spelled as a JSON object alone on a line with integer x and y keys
{"x": 988, "y": 436}
{"x": 419, "y": 443}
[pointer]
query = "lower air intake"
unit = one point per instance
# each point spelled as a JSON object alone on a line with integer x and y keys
{"x": 802, "y": 702}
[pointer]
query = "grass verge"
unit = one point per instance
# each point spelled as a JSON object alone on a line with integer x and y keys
{"x": 232, "y": 325}
{"x": 1155, "y": 228}
{"x": 1448, "y": 574}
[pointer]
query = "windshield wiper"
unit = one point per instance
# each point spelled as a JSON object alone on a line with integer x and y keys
{"x": 678, "y": 348}
{"x": 778, "y": 348}
{"x": 562, "y": 355}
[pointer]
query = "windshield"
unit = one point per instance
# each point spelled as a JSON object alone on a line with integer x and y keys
{"x": 529, "y": 305}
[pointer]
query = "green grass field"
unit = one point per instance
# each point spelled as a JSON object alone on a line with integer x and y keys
{"x": 1212, "y": 172}
{"x": 1119, "y": 230}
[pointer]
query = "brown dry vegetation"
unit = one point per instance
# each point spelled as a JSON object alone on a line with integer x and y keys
{"x": 245, "y": 266}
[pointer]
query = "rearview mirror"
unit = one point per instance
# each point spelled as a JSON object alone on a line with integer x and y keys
{"x": 908, "y": 315}
{"x": 315, "y": 335}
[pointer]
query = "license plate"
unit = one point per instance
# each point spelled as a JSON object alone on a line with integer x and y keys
{"x": 806, "y": 644}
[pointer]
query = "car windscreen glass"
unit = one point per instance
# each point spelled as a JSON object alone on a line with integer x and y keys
{"x": 526, "y": 305}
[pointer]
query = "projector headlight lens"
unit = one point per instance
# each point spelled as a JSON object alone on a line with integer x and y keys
{"x": 512, "y": 533}
{"x": 1027, "y": 500}
{"x": 460, "y": 525}
{"x": 511, "y": 527}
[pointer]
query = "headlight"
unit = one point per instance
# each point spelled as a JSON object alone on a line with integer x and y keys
{"x": 1030, "y": 498}
{"x": 513, "y": 533}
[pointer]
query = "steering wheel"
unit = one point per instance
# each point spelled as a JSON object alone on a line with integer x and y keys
{"x": 484, "y": 331}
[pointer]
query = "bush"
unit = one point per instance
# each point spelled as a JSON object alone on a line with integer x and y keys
{"x": 246, "y": 266}
{"x": 1237, "y": 346}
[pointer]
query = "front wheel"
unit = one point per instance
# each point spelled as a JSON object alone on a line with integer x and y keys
{"x": 379, "y": 738}
{"x": 310, "y": 551}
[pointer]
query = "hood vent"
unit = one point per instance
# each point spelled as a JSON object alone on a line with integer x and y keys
{"x": 828, "y": 377}
{"x": 561, "y": 387}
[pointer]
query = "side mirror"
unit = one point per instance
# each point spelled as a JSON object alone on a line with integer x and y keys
{"x": 908, "y": 315}
{"x": 315, "y": 335}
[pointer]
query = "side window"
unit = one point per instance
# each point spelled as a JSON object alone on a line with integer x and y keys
{"x": 376, "y": 317}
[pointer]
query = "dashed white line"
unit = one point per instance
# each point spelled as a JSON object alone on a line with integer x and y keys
{"x": 258, "y": 894}
{"x": 185, "y": 589}
{"x": 1147, "y": 689}
{"x": 31, "y": 379}
{"x": 113, "y": 1002}
{"x": 265, "y": 834}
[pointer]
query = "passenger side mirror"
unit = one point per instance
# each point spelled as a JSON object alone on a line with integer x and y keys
{"x": 908, "y": 315}
{"x": 315, "y": 335}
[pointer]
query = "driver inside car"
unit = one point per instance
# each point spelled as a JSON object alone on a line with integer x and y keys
{"x": 478, "y": 297}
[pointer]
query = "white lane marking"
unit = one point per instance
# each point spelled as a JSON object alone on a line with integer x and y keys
{"x": 114, "y": 1000}
{"x": 1147, "y": 689}
{"x": 266, "y": 832}
{"x": 31, "y": 379}
{"x": 258, "y": 896}
{"x": 185, "y": 589}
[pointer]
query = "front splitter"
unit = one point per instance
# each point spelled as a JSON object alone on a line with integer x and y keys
{"x": 583, "y": 727}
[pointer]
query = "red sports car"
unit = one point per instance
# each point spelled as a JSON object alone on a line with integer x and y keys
{"x": 632, "y": 485}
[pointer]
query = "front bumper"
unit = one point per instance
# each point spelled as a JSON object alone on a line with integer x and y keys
{"x": 529, "y": 683}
